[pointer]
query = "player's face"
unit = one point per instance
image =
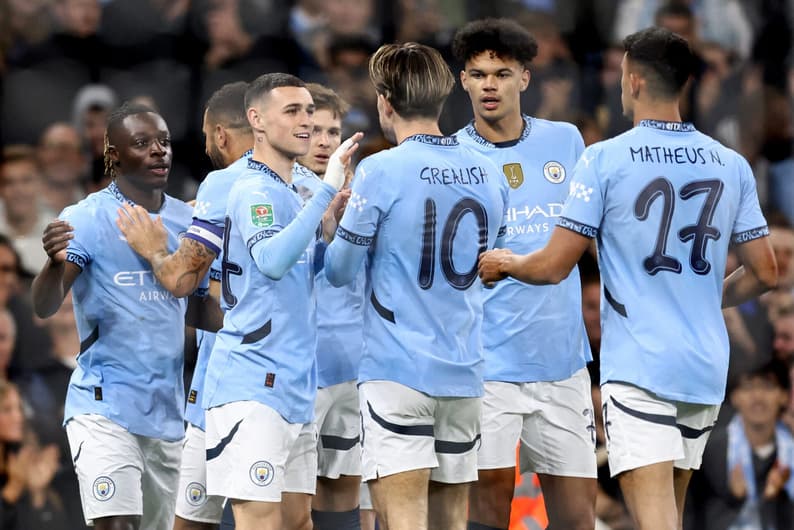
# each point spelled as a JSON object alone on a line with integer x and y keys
{"x": 211, "y": 147}
{"x": 625, "y": 89}
{"x": 494, "y": 85}
{"x": 142, "y": 146}
{"x": 326, "y": 137}
{"x": 286, "y": 116}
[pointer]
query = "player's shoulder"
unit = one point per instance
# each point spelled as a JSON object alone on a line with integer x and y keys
{"x": 89, "y": 206}
{"x": 557, "y": 128}
{"x": 177, "y": 207}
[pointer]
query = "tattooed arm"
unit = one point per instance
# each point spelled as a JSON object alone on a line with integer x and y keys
{"x": 181, "y": 272}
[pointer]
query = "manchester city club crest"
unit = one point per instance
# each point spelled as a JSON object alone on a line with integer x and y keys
{"x": 195, "y": 494}
{"x": 554, "y": 172}
{"x": 104, "y": 488}
{"x": 261, "y": 473}
{"x": 514, "y": 174}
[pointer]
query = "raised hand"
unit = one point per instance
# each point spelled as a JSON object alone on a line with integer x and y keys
{"x": 334, "y": 213}
{"x": 56, "y": 238}
{"x": 337, "y": 164}
{"x": 147, "y": 237}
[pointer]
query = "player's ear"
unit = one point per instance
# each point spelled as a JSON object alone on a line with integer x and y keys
{"x": 464, "y": 79}
{"x": 113, "y": 153}
{"x": 221, "y": 135}
{"x": 525, "y": 77}
{"x": 634, "y": 83}
{"x": 387, "y": 107}
{"x": 255, "y": 119}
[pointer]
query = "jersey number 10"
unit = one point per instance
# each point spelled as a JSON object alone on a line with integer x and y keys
{"x": 456, "y": 279}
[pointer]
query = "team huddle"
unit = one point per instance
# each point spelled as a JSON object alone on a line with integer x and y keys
{"x": 408, "y": 324}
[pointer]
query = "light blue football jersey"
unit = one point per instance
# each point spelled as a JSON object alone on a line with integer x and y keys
{"x": 209, "y": 214}
{"x": 533, "y": 332}
{"x": 131, "y": 329}
{"x": 265, "y": 351}
{"x": 340, "y": 311}
{"x": 428, "y": 207}
{"x": 664, "y": 202}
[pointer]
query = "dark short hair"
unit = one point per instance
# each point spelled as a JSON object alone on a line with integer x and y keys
{"x": 774, "y": 370}
{"x": 673, "y": 9}
{"x": 666, "y": 59}
{"x": 506, "y": 38}
{"x": 262, "y": 85}
{"x": 226, "y": 106}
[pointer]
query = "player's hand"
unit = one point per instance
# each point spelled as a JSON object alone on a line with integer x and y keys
{"x": 56, "y": 238}
{"x": 147, "y": 237}
{"x": 333, "y": 214}
{"x": 340, "y": 159}
{"x": 493, "y": 264}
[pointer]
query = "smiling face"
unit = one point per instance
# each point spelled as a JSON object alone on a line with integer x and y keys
{"x": 326, "y": 137}
{"x": 285, "y": 117}
{"x": 494, "y": 85}
{"x": 141, "y": 147}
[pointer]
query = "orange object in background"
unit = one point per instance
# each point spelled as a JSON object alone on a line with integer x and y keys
{"x": 528, "y": 512}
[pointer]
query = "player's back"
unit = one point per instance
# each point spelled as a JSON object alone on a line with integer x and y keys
{"x": 672, "y": 199}
{"x": 440, "y": 204}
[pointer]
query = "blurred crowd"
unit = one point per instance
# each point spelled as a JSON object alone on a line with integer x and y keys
{"x": 65, "y": 64}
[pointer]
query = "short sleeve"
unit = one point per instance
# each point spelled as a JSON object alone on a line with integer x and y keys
{"x": 209, "y": 213}
{"x": 750, "y": 222}
{"x": 584, "y": 207}
{"x": 81, "y": 248}
{"x": 256, "y": 212}
{"x": 370, "y": 200}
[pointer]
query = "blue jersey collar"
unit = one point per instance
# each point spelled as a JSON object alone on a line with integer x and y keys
{"x": 114, "y": 189}
{"x": 432, "y": 139}
{"x": 472, "y": 131}
{"x": 672, "y": 126}
{"x": 264, "y": 168}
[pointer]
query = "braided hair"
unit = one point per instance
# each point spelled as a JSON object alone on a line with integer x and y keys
{"x": 114, "y": 122}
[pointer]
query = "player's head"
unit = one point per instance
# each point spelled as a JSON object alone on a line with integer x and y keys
{"x": 138, "y": 146}
{"x": 329, "y": 111}
{"x": 657, "y": 63}
{"x": 760, "y": 394}
{"x": 495, "y": 54}
{"x": 226, "y": 128}
{"x": 281, "y": 113}
{"x": 412, "y": 81}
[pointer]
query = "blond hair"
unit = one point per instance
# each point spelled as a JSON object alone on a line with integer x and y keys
{"x": 413, "y": 78}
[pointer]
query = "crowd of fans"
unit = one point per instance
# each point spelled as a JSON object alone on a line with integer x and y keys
{"x": 64, "y": 64}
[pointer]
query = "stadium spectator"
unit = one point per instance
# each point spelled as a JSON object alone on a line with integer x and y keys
{"x": 746, "y": 480}
{"x": 783, "y": 341}
{"x": 23, "y": 214}
{"x": 63, "y": 163}
{"x": 90, "y": 110}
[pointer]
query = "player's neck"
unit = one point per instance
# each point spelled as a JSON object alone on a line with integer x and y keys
{"x": 503, "y": 130}
{"x": 239, "y": 148}
{"x": 405, "y": 128}
{"x": 276, "y": 160}
{"x": 150, "y": 199}
{"x": 656, "y": 110}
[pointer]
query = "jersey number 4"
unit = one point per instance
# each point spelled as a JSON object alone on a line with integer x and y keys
{"x": 228, "y": 268}
{"x": 699, "y": 233}
{"x": 456, "y": 279}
